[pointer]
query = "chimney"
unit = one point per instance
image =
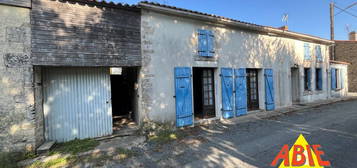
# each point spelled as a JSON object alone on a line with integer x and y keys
{"x": 353, "y": 36}
{"x": 285, "y": 28}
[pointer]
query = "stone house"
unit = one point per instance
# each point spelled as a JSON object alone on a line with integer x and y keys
{"x": 346, "y": 51}
{"x": 213, "y": 67}
{"x": 84, "y": 69}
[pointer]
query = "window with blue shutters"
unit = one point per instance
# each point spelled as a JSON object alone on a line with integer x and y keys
{"x": 318, "y": 53}
{"x": 318, "y": 79}
{"x": 307, "y": 55}
{"x": 205, "y": 43}
{"x": 333, "y": 79}
{"x": 307, "y": 79}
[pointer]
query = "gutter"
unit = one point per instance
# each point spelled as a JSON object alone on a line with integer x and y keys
{"x": 263, "y": 29}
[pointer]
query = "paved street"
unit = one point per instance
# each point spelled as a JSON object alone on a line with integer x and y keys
{"x": 256, "y": 143}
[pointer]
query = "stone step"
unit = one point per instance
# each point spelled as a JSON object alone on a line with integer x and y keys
{"x": 45, "y": 147}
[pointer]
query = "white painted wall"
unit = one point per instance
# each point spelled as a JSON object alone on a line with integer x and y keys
{"x": 344, "y": 91}
{"x": 169, "y": 41}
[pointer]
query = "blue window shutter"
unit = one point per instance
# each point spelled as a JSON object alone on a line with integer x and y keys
{"x": 210, "y": 43}
{"x": 309, "y": 79}
{"x": 241, "y": 91}
{"x": 183, "y": 92}
{"x": 202, "y": 43}
{"x": 227, "y": 92}
{"x": 307, "y": 55}
{"x": 333, "y": 79}
{"x": 319, "y": 79}
{"x": 269, "y": 89}
{"x": 318, "y": 53}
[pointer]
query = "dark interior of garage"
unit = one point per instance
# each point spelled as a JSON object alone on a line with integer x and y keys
{"x": 123, "y": 92}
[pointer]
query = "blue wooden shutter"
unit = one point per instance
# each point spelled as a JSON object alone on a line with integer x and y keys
{"x": 241, "y": 91}
{"x": 309, "y": 79}
{"x": 333, "y": 79}
{"x": 269, "y": 89}
{"x": 210, "y": 43}
{"x": 227, "y": 92}
{"x": 183, "y": 93}
{"x": 318, "y": 53}
{"x": 202, "y": 43}
{"x": 307, "y": 55}
{"x": 319, "y": 79}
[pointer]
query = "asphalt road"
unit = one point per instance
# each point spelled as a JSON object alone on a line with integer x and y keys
{"x": 256, "y": 143}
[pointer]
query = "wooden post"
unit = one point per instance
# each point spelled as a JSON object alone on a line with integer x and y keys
{"x": 332, "y": 21}
{"x": 332, "y": 30}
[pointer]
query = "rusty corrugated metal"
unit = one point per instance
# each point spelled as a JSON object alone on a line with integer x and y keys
{"x": 77, "y": 103}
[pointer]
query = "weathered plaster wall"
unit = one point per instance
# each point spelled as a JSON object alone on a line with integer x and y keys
{"x": 16, "y": 92}
{"x": 169, "y": 41}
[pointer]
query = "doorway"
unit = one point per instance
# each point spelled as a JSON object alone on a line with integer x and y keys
{"x": 295, "y": 85}
{"x": 252, "y": 89}
{"x": 123, "y": 97}
{"x": 203, "y": 93}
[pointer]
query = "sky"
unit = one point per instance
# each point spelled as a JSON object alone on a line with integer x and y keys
{"x": 304, "y": 16}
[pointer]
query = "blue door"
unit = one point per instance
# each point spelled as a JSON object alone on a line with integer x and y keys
{"x": 269, "y": 89}
{"x": 333, "y": 79}
{"x": 183, "y": 93}
{"x": 227, "y": 92}
{"x": 241, "y": 91}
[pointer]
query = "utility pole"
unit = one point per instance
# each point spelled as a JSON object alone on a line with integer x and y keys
{"x": 332, "y": 21}
{"x": 332, "y": 29}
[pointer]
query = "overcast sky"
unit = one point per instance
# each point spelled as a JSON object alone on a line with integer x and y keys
{"x": 305, "y": 16}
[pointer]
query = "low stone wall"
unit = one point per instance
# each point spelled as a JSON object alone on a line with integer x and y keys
{"x": 17, "y": 128}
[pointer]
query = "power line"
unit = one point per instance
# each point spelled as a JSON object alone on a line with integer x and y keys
{"x": 344, "y": 10}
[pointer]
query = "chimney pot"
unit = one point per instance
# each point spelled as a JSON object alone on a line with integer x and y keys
{"x": 353, "y": 36}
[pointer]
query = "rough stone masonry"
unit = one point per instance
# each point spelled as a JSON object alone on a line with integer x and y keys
{"x": 17, "y": 128}
{"x": 347, "y": 51}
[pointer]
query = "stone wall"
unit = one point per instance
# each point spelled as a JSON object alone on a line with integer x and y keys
{"x": 347, "y": 51}
{"x": 16, "y": 92}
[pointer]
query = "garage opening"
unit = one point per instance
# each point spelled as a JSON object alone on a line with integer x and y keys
{"x": 203, "y": 93}
{"x": 123, "y": 97}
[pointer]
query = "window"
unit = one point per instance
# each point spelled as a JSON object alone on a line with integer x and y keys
{"x": 318, "y": 53}
{"x": 205, "y": 43}
{"x": 318, "y": 79}
{"x": 307, "y": 55}
{"x": 307, "y": 79}
{"x": 337, "y": 80}
{"x": 338, "y": 83}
